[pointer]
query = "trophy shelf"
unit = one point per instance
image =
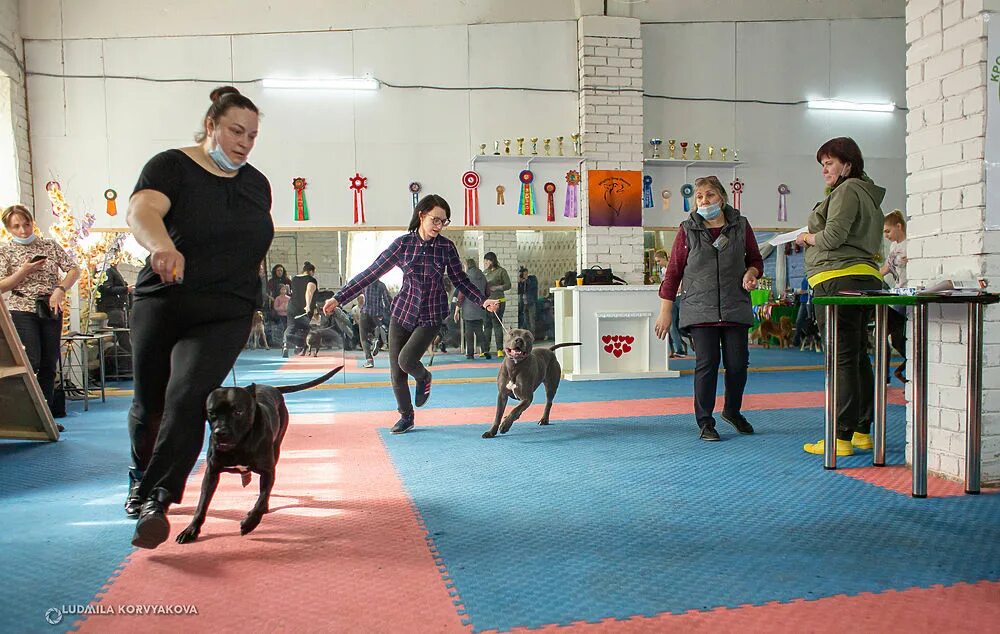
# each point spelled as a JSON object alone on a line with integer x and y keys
{"x": 691, "y": 163}
{"x": 523, "y": 159}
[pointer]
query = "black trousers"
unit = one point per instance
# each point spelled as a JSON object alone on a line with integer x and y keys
{"x": 711, "y": 343}
{"x": 296, "y": 329}
{"x": 405, "y": 349}
{"x": 491, "y": 325}
{"x": 474, "y": 336}
{"x": 41, "y": 343}
{"x": 897, "y": 330}
{"x": 855, "y": 375}
{"x": 366, "y": 328}
{"x": 183, "y": 346}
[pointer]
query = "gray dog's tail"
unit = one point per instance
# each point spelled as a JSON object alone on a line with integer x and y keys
{"x": 563, "y": 345}
{"x": 286, "y": 389}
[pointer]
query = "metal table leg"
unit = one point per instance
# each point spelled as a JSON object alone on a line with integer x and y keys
{"x": 920, "y": 401}
{"x": 881, "y": 371}
{"x": 974, "y": 399}
{"x": 84, "y": 358}
{"x": 100, "y": 353}
{"x": 830, "y": 431}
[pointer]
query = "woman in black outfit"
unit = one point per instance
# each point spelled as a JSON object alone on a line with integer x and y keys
{"x": 204, "y": 214}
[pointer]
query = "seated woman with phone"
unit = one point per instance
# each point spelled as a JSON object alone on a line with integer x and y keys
{"x": 30, "y": 269}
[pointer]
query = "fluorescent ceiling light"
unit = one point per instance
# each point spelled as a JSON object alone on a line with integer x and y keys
{"x": 338, "y": 83}
{"x": 836, "y": 104}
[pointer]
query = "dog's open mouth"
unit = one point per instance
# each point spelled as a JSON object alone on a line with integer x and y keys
{"x": 224, "y": 446}
{"x": 514, "y": 353}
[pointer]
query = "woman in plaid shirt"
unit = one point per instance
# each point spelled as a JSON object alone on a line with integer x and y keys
{"x": 421, "y": 305}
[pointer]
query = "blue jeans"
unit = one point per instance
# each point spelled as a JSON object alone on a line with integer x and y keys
{"x": 677, "y": 345}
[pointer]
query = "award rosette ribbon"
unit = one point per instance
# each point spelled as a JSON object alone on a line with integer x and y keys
{"x": 470, "y": 180}
{"x": 550, "y": 189}
{"x": 526, "y": 206}
{"x": 647, "y": 191}
{"x": 687, "y": 190}
{"x": 301, "y": 208}
{"x": 782, "y": 203}
{"x": 665, "y": 197}
{"x": 110, "y": 195}
{"x": 359, "y": 183}
{"x": 415, "y": 190}
{"x": 737, "y": 186}
{"x": 572, "y": 194}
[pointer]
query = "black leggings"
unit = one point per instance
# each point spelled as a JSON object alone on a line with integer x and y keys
{"x": 491, "y": 326}
{"x": 711, "y": 342}
{"x": 405, "y": 349}
{"x": 183, "y": 345}
{"x": 41, "y": 343}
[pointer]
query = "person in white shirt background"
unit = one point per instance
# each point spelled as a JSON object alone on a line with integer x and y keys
{"x": 894, "y": 269}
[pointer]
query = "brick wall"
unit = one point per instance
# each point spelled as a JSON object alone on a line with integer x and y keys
{"x": 11, "y": 71}
{"x": 946, "y": 73}
{"x": 610, "y": 66}
{"x": 293, "y": 248}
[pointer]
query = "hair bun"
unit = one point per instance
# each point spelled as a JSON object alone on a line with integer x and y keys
{"x": 222, "y": 91}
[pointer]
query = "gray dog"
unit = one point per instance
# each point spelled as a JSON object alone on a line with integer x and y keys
{"x": 248, "y": 425}
{"x": 522, "y": 371}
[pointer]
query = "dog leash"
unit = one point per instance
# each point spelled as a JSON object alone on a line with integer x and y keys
{"x": 499, "y": 320}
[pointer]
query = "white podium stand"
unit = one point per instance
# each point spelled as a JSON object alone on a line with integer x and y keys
{"x": 615, "y": 325}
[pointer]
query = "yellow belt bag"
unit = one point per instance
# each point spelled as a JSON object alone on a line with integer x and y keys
{"x": 854, "y": 269}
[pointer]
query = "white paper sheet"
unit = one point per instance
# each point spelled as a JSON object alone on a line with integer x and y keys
{"x": 785, "y": 238}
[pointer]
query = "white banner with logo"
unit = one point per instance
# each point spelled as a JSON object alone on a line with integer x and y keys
{"x": 993, "y": 122}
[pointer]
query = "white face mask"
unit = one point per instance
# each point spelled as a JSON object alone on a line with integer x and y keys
{"x": 24, "y": 241}
{"x": 220, "y": 158}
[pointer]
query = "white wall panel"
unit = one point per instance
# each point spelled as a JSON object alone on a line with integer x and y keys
{"x": 46, "y": 106}
{"x": 498, "y": 115}
{"x": 432, "y": 56}
{"x": 783, "y": 61}
{"x": 170, "y": 57}
{"x": 288, "y": 55}
{"x": 84, "y": 57}
{"x": 706, "y": 122}
{"x": 689, "y": 60}
{"x": 866, "y": 61}
{"x": 43, "y": 56}
{"x": 535, "y": 54}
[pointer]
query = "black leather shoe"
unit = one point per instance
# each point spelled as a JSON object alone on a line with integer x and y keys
{"x": 709, "y": 433}
{"x": 423, "y": 391}
{"x": 403, "y": 425}
{"x": 152, "y": 529}
{"x": 738, "y": 422}
{"x": 133, "y": 503}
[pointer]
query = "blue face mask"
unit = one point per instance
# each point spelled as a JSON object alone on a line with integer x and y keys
{"x": 222, "y": 161}
{"x": 24, "y": 241}
{"x": 710, "y": 212}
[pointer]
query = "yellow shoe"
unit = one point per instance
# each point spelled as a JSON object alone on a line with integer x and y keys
{"x": 844, "y": 447}
{"x": 861, "y": 441}
{"x": 500, "y": 353}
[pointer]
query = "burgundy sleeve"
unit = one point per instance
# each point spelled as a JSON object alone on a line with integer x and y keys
{"x": 753, "y": 252}
{"x": 675, "y": 267}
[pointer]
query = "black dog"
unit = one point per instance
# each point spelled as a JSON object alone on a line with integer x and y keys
{"x": 248, "y": 425}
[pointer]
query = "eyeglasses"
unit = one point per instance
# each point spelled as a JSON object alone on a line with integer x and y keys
{"x": 439, "y": 222}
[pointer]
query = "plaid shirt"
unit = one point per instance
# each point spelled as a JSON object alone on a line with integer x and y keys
{"x": 377, "y": 302}
{"x": 422, "y": 300}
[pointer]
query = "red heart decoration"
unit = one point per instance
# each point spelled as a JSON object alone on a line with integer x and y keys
{"x": 618, "y": 352}
{"x": 627, "y": 348}
{"x": 606, "y": 338}
{"x": 608, "y": 348}
{"x": 616, "y": 338}
{"x": 629, "y": 339}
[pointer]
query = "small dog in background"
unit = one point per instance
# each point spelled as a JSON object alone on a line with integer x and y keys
{"x": 321, "y": 336}
{"x": 764, "y": 331}
{"x": 810, "y": 339}
{"x": 787, "y": 329}
{"x": 258, "y": 338}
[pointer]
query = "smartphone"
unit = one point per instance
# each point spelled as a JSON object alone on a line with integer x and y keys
{"x": 39, "y": 258}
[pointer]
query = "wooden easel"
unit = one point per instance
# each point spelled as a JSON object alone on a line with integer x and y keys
{"x": 23, "y": 412}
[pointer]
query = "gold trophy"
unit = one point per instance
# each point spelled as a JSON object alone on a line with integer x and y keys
{"x": 722, "y": 151}
{"x": 506, "y": 147}
{"x": 496, "y": 148}
{"x": 548, "y": 147}
{"x": 576, "y": 144}
{"x": 672, "y": 145}
{"x": 697, "y": 151}
{"x": 560, "y": 140}
{"x": 520, "y": 146}
{"x": 711, "y": 152}
{"x": 482, "y": 149}
{"x": 534, "y": 145}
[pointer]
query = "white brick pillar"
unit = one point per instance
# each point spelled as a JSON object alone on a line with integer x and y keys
{"x": 610, "y": 65}
{"x": 946, "y": 83}
{"x": 504, "y": 244}
{"x": 16, "y": 176}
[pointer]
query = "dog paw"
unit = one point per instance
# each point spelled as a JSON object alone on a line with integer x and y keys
{"x": 249, "y": 523}
{"x": 188, "y": 535}
{"x": 489, "y": 434}
{"x": 544, "y": 421}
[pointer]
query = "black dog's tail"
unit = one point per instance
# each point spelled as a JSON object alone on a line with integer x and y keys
{"x": 563, "y": 345}
{"x": 286, "y": 389}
